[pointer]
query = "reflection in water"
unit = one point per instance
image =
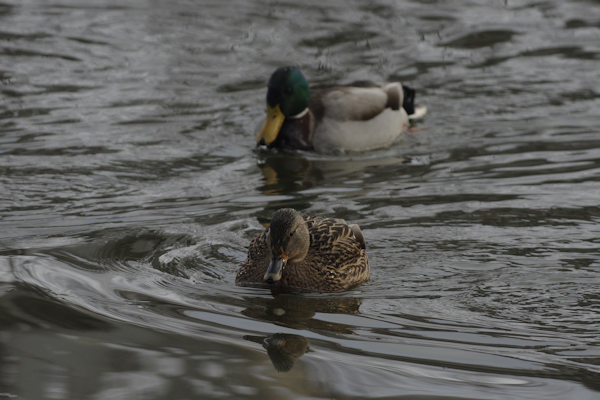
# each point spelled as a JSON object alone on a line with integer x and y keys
{"x": 285, "y": 173}
{"x": 297, "y": 311}
{"x": 283, "y": 349}
{"x": 53, "y": 350}
{"x": 50, "y": 337}
{"x": 293, "y": 172}
{"x": 26, "y": 306}
{"x": 120, "y": 123}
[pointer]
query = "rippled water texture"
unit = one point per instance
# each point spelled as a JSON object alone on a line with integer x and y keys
{"x": 130, "y": 190}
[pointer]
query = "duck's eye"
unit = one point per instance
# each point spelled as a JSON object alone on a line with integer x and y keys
{"x": 288, "y": 90}
{"x": 291, "y": 234}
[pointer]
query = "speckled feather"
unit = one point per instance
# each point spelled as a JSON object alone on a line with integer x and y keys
{"x": 336, "y": 260}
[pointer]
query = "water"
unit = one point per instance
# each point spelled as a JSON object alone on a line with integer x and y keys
{"x": 130, "y": 191}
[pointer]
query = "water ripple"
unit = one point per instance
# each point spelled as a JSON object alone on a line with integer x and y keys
{"x": 130, "y": 192}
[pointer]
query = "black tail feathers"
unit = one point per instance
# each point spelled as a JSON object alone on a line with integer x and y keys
{"x": 409, "y": 100}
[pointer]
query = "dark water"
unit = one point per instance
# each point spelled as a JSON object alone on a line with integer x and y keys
{"x": 130, "y": 191}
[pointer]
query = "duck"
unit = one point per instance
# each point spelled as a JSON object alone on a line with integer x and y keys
{"x": 361, "y": 116}
{"x": 306, "y": 253}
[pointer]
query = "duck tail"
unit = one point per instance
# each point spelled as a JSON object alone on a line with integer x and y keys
{"x": 409, "y": 100}
{"x": 414, "y": 112}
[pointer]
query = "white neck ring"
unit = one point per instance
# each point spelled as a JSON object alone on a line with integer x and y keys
{"x": 300, "y": 115}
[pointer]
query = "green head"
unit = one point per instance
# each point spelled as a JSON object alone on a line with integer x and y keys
{"x": 289, "y": 90}
{"x": 288, "y": 95}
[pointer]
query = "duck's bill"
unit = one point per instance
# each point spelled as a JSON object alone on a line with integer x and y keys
{"x": 270, "y": 129}
{"x": 275, "y": 269}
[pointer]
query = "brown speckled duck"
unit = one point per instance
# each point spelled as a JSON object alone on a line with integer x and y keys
{"x": 360, "y": 116}
{"x": 313, "y": 253}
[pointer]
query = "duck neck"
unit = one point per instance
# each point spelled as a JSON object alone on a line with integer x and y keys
{"x": 296, "y": 133}
{"x": 300, "y": 114}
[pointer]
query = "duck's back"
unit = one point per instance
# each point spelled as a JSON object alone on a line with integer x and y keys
{"x": 336, "y": 260}
{"x": 357, "y": 117}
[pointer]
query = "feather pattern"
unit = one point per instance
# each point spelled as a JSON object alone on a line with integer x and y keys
{"x": 336, "y": 259}
{"x": 351, "y": 102}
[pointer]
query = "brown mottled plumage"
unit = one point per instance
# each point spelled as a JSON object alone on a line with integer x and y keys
{"x": 315, "y": 253}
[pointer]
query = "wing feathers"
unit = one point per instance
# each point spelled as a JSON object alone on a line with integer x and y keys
{"x": 359, "y": 101}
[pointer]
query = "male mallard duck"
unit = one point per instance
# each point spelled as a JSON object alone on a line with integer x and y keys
{"x": 326, "y": 118}
{"x": 316, "y": 253}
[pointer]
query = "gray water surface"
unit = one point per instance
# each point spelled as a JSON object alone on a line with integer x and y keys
{"x": 130, "y": 190}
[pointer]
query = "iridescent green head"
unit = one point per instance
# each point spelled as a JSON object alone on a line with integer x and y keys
{"x": 289, "y": 90}
{"x": 288, "y": 95}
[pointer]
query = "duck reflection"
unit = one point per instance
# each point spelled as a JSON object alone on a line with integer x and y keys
{"x": 287, "y": 173}
{"x": 284, "y": 349}
{"x": 292, "y": 172}
{"x": 297, "y": 312}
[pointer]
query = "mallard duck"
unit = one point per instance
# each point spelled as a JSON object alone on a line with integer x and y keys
{"x": 334, "y": 118}
{"x": 314, "y": 253}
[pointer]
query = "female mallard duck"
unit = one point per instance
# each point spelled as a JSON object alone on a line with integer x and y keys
{"x": 315, "y": 253}
{"x": 360, "y": 116}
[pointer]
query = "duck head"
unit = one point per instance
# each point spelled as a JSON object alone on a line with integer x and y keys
{"x": 289, "y": 241}
{"x": 288, "y": 96}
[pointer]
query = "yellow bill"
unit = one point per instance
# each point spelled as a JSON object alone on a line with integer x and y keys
{"x": 272, "y": 125}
